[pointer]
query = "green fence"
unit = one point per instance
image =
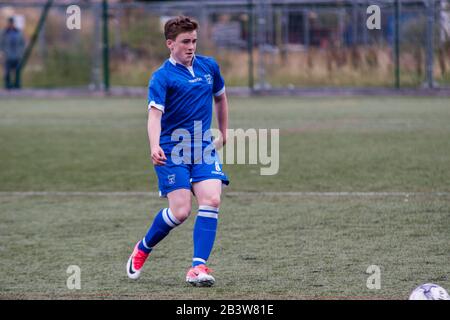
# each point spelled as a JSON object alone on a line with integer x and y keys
{"x": 259, "y": 44}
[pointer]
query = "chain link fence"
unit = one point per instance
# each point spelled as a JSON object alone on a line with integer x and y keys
{"x": 259, "y": 44}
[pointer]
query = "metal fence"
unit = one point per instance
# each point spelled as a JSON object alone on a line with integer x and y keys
{"x": 259, "y": 44}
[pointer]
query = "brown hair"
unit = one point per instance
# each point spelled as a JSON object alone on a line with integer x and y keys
{"x": 178, "y": 25}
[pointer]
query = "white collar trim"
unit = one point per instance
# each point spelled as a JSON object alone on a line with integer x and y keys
{"x": 190, "y": 68}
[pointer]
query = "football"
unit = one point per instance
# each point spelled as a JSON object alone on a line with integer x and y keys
{"x": 429, "y": 291}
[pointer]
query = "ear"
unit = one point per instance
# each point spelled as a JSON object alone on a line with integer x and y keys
{"x": 169, "y": 44}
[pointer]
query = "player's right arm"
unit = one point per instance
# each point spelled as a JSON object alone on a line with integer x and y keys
{"x": 154, "y": 132}
{"x": 156, "y": 98}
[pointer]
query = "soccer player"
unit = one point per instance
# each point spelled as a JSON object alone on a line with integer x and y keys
{"x": 180, "y": 99}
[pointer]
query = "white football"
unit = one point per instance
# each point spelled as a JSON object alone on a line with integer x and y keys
{"x": 429, "y": 291}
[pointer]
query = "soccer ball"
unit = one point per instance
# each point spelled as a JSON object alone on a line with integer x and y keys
{"x": 429, "y": 291}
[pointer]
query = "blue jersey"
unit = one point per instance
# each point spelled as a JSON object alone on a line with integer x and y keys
{"x": 185, "y": 95}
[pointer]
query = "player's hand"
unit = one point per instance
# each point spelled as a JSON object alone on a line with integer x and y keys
{"x": 219, "y": 142}
{"x": 158, "y": 156}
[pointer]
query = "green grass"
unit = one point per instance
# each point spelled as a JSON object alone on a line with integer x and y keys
{"x": 375, "y": 144}
{"x": 281, "y": 247}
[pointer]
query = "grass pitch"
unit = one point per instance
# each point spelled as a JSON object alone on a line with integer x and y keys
{"x": 281, "y": 246}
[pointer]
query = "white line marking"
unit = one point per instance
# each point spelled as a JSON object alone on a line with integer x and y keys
{"x": 232, "y": 194}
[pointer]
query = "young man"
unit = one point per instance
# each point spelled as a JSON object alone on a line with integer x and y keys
{"x": 180, "y": 99}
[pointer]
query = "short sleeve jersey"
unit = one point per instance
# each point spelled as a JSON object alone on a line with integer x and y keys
{"x": 185, "y": 95}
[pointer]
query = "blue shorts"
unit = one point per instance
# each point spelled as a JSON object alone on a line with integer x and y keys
{"x": 181, "y": 176}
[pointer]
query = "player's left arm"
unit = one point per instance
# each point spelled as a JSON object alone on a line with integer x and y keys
{"x": 220, "y": 104}
{"x": 221, "y": 110}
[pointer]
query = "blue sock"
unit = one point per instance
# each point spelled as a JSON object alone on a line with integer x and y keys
{"x": 204, "y": 234}
{"x": 162, "y": 224}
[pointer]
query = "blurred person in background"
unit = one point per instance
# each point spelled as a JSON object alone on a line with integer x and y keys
{"x": 12, "y": 44}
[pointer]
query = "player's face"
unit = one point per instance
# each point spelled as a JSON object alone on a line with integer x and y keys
{"x": 183, "y": 47}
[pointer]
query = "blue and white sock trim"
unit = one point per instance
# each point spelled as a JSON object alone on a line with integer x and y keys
{"x": 208, "y": 212}
{"x": 202, "y": 261}
{"x": 169, "y": 218}
{"x": 145, "y": 244}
